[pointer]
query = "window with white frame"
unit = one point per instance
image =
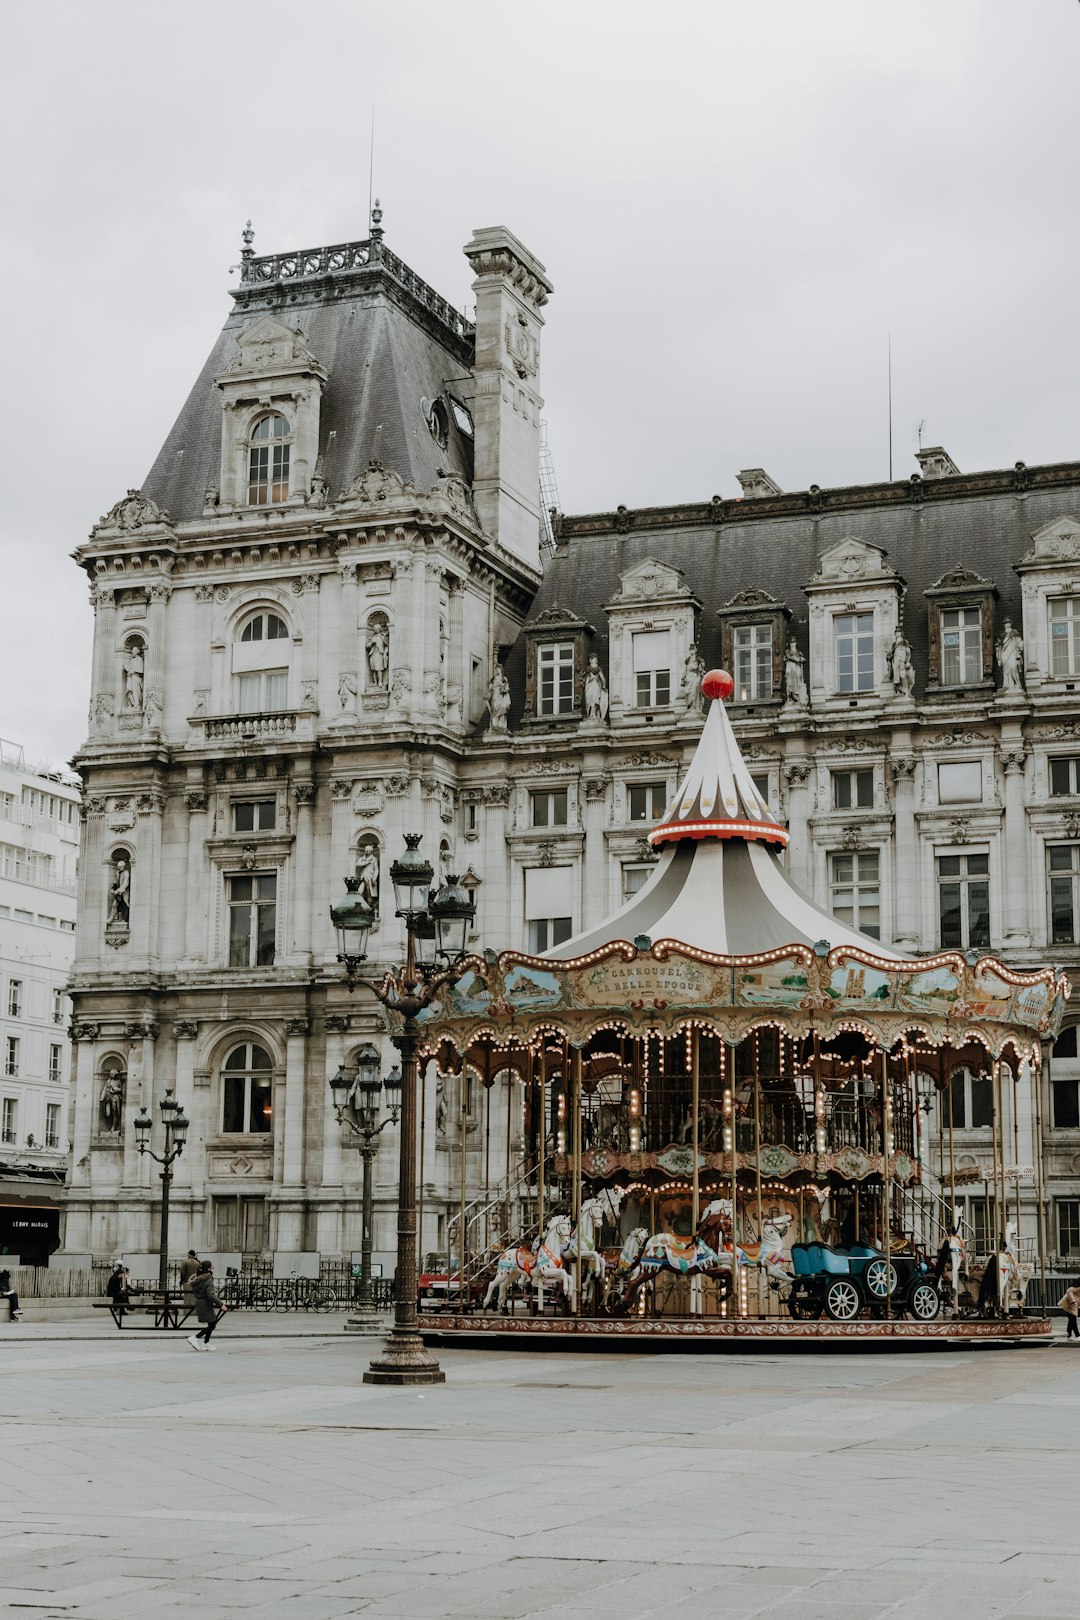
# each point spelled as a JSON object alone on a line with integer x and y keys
{"x": 252, "y": 919}
{"x": 58, "y": 1006}
{"x": 853, "y": 635}
{"x": 260, "y": 664}
{"x": 960, "y": 782}
{"x": 753, "y": 647}
{"x": 11, "y": 1055}
{"x": 555, "y": 677}
{"x": 968, "y": 1104}
{"x": 647, "y": 801}
{"x": 1068, "y": 1227}
{"x": 254, "y": 815}
{"x": 634, "y": 879}
{"x": 549, "y": 808}
{"x": 14, "y": 998}
{"x": 247, "y": 1091}
{"x": 961, "y": 646}
{"x": 8, "y": 1119}
{"x": 56, "y": 1062}
{"x": 269, "y": 449}
{"x": 241, "y": 1225}
{"x": 855, "y": 885}
{"x": 963, "y": 883}
{"x": 652, "y": 668}
{"x": 52, "y": 1125}
{"x": 1065, "y": 635}
{"x": 852, "y": 790}
{"x": 1063, "y": 878}
{"x": 549, "y": 906}
{"x": 1065, "y": 777}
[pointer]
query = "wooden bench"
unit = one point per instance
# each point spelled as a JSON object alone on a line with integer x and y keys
{"x": 169, "y": 1310}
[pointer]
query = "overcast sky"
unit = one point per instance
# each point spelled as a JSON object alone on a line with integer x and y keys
{"x": 737, "y": 201}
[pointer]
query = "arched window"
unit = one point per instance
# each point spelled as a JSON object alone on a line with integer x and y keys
{"x": 268, "y": 460}
{"x": 261, "y": 662}
{"x": 246, "y": 1091}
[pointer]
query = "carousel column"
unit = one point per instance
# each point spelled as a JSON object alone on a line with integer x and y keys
{"x": 575, "y": 1116}
{"x": 195, "y": 914}
{"x": 291, "y": 1200}
{"x": 906, "y": 879}
{"x": 695, "y": 1135}
{"x": 1017, "y": 887}
{"x": 330, "y": 1238}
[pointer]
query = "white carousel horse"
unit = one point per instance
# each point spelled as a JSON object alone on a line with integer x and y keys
{"x": 767, "y": 1252}
{"x": 1012, "y": 1276}
{"x": 544, "y": 1265}
{"x": 583, "y": 1244}
{"x": 643, "y": 1257}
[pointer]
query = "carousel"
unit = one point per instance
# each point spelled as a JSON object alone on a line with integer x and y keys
{"x": 724, "y": 1099}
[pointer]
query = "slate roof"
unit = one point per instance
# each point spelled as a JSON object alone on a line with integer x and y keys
{"x": 984, "y": 521}
{"x": 383, "y": 353}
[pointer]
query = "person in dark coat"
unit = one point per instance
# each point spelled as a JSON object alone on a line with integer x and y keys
{"x": 118, "y": 1287}
{"x": 189, "y": 1270}
{"x": 208, "y": 1306}
{"x": 7, "y": 1292}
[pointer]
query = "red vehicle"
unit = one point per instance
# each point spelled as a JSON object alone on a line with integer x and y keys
{"x": 436, "y": 1288}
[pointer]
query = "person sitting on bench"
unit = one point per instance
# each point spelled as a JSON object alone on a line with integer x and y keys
{"x": 8, "y": 1293}
{"x": 118, "y": 1287}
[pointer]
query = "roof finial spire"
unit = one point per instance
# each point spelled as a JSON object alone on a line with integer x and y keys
{"x": 376, "y": 222}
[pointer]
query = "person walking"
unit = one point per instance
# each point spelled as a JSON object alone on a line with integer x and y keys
{"x": 1070, "y": 1304}
{"x": 208, "y": 1306}
{"x": 8, "y": 1293}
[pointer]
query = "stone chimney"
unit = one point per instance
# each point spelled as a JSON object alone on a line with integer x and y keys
{"x": 756, "y": 484}
{"x": 511, "y": 290}
{"x": 936, "y": 462}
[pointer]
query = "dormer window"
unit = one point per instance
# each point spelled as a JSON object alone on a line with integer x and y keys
{"x": 555, "y": 677}
{"x": 961, "y": 620}
{"x": 961, "y": 646}
{"x": 652, "y": 669}
{"x": 753, "y": 662}
{"x": 268, "y": 460}
{"x": 854, "y": 642}
{"x": 1065, "y": 635}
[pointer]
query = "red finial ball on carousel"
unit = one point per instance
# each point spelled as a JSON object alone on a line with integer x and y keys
{"x": 717, "y": 684}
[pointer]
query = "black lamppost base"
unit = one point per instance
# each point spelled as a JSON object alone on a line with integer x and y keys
{"x": 405, "y": 1362}
{"x": 404, "y": 1375}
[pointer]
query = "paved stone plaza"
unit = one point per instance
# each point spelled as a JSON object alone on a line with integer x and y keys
{"x": 141, "y": 1478}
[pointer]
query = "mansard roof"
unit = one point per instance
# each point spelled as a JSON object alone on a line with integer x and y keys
{"x": 980, "y": 521}
{"x": 387, "y": 342}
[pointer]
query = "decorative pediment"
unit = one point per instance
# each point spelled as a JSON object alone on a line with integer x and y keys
{"x": 135, "y": 511}
{"x": 850, "y": 560}
{"x": 753, "y": 598}
{"x": 1057, "y": 542}
{"x": 457, "y": 495}
{"x": 558, "y": 618}
{"x": 959, "y": 578}
{"x": 378, "y": 487}
{"x": 652, "y": 581}
{"x": 267, "y": 346}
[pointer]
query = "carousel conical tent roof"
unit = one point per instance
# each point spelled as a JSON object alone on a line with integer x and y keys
{"x": 720, "y": 884}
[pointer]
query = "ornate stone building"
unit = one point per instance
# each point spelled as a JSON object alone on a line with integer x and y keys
{"x": 328, "y": 617}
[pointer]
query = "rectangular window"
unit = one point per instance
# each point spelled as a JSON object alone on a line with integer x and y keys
{"x": 1068, "y": 1225}
{"x": 971, "y": 1097}
{"x": 961, "y": 646}
{"x": 647, "y": 800}
{"x": 14, "y": 998}
{"x": 548, "y": 906}
{"x": 1065, "y": 635}
{"x": 852, "y": 790}
{"x": 56, "y": 1062}
{"x": 963, "y": 901}
{"x": 58, "y": 1006}
{"x": 1063, "y": 870}
{"x": 262, "y": 690}
{"x": 555, "y": 678}
{"x": 960, "y": 783}
{"x": 12, "y": 862}
{"x": 240, "y": 1225}
{"x": 252, "y": 919}
{"x": 246, "y": 1104}
{"x": 1065, "y": 777}
{"x": 52, "y": 1125}
{"x": 11, "y": 1055}
{"x": 856, "y": 892}
{"x": 8, "y": 1117}
{"x": 255, "y": 815}
{"x": 634, "y": 878}
{"x": 549, "y": 809}
{"x": 1066, "y": 1099}
{"x": 546, "y": 932}
{"x": 652, "y": 668}
{"x": 762, "y": 785}
{"x": 753, "y": 662}
{"x": 854, "y": 640}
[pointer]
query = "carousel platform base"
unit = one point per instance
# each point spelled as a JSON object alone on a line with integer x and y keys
{"x": 710, "y": 1334}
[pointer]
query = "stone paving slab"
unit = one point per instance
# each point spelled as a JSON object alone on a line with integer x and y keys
{"x": 143, "y": 1478}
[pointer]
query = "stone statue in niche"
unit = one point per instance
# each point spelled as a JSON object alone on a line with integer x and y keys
{"x": 498, "y": 699}
{"x": 367, "y": 870}
{"x": 795, "y": 675}
{"x": 898, "y": 662}
{"x": 111, "y": 1100}
{"x": 377, "y": 648}
{"x": 120, "y": 893}
{"x": 1010, "y": 651}
{"x": 693, "y": 670}
{"x": 596, "y": 692}
{"x": 134, "y": 670}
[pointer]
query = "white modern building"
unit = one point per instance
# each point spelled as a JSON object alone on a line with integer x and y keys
{"x": 39, "y": 853}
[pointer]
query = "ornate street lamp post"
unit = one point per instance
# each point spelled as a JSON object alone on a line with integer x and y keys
{"x": 436, "y": 928}
{"x": 176, "y": 1130}
{"x": 364, "y": 1089}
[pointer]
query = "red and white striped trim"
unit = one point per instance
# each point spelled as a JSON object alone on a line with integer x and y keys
{"x": 766, "y": 832}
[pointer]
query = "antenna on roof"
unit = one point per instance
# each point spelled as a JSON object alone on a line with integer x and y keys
{"x": 920, "y": 429}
